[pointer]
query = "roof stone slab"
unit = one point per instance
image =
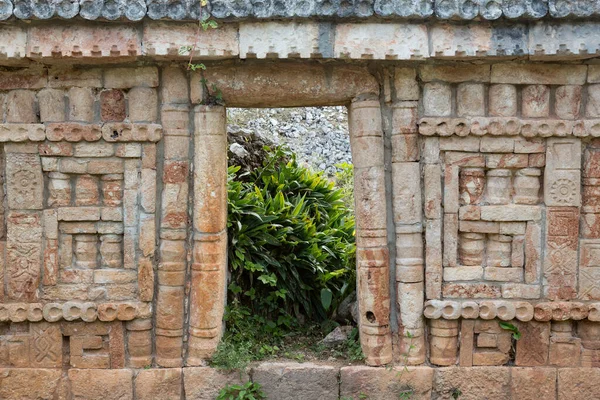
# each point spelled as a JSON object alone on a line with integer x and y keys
{"x": 135, "y": 10}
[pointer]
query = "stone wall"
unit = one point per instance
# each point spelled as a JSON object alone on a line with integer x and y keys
{"x": 476, "y": 191}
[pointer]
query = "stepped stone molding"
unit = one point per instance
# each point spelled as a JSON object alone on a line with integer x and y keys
{"x": 135, "y": 10}
{"x": 56, "y": 43}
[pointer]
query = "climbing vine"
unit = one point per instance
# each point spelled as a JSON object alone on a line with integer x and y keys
{"x": 213, "y": 95}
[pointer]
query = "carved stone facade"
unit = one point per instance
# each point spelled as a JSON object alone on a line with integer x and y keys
{"x": 477, "y": 190}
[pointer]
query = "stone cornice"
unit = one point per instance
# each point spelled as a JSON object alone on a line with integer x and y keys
{"x": 135, "y": 10}
{"x": 84, "y": 42}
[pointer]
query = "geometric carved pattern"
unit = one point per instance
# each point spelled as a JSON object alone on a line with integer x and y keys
{"x": 492, "y": 212}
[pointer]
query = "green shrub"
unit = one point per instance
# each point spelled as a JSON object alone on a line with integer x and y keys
{"x": 291, "y": 244}
{"x": 344, "y": 179}
{"x": 247, "y": 391}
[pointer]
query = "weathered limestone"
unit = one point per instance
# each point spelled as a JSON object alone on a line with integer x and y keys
{"x": 478, "y": 176}
{"x": 372, "y": 253}
{"x": 173, "y": 229}
{"x": 208, "y": 278}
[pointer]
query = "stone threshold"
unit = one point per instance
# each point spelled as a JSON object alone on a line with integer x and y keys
{"x": 291, "y": 380}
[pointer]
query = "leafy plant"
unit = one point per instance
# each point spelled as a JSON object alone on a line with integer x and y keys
{"x": 456, "y": 393}
{"x": 291, "y": 243}
{"x": 353, "y": 349}
{"x": 344, "y": 179}
{"x": 516, "y": 333}
{"x": 247, "y": 391}
{"x": 204, "y": 23}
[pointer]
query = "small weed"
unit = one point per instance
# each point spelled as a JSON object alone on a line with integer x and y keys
{"x": 456, "y": 393}
{"x": 353, "y": 349}
{"x": 406, "y": 394}
{"x": 247, "y": 391}
{"x": 232, "y": 355}
{"x": 516, "y": 333}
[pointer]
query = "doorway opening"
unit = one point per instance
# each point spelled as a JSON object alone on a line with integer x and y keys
{"x": 291, "y": 252}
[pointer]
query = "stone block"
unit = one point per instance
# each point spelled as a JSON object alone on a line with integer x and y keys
{"x": 204, "y": 383}
{"x": 511, "y": 212}
{"x": 536, "y": 101}
{"x": 112, "y": 106}
{"x": 405, "y": 148}
{"x": 405, "y": 84}
{"x": 533, "y": 347}
{"x": 470, "y": 98}
{"x": 407, "y": 193}
{"x": 471, "y": 290}
{"x": 143, "y": 105}
{"x": 125, "y": 78}
{"x": 537, "y": 160}
{"x": 165, "y": 384}
{"x": 433, "y": 191}
{"x": 163, "y": 39}
{"x": 560, "y": 262}
{"x": 503, "y": 100}
{"x": 21, "y": 107}
{"x": 297, "y": 381}
{"x": 455, "y": 73}
{"x": 65, "y": 77}
{"x": 470, "y": 273}
{"x": 378, "y": 41}
{"x": 503, "y": 274}
{"x": 52, "y": 105}
{"x": 175, "y": 86}
{"x": 87, "y": 41}
{"x": 81, "y": 104}
{"x": 101, "y": 384}
{"x": 578, "y": 383}
{"x": 30, "y": 384}
{"x": 593, "y": 74}
{"x": 383, "y": 383}
{"x": 533, "y": 383}
{"x": 437, "y": 99}
{"x": 93, "y": 150}
{"x": 24, "y": 181}
{"x": 490, "y": 144}
{"x": 473, "y": 383}
{"x": 14, "y": 39}
{"x": 567, "y": 102}
{"x": 30, "y": 78}
{"x": 454, "y": 143}
{"x": 543, "y": 74}
{"x": 521, "y": 291}
{"x": 562, "y": 188}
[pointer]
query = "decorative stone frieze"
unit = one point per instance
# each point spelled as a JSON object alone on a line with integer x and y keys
{"x": 477, "y": 188}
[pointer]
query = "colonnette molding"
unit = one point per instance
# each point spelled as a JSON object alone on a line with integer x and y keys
{"x": 476, "y": 149}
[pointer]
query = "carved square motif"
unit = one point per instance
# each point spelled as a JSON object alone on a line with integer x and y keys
{"x": 484, "y": 343}
{"x": 589, "y": 253}
{"x": 495, "y": 196}
{"x": 95, "y": 345}
{"x": 31, "y": 345}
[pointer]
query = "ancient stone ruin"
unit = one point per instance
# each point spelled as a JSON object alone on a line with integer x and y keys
{"x": 475, "y": 132}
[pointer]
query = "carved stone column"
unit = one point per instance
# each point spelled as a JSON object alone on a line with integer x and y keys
{"x": 174, "y": 220}
{"x": 408, "y": 216}
{"x": 372, "y": 255}
{"x": 207, "y": 295}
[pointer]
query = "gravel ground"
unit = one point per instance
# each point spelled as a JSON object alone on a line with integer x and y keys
{"x": 318, "y": 135}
